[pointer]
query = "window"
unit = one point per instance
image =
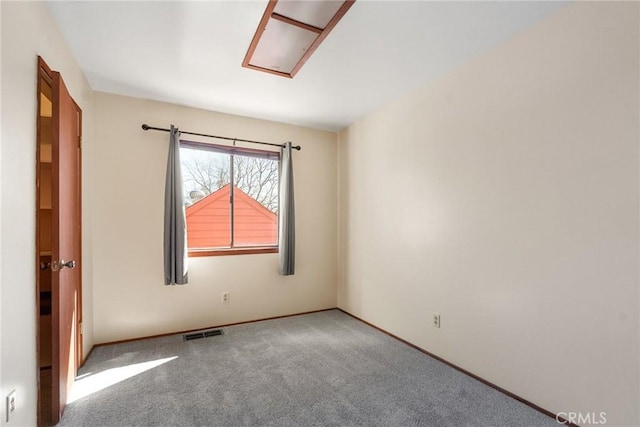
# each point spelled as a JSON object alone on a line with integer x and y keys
{"x": 231, "y": 198}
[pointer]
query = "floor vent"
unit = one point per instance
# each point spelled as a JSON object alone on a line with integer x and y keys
{"x": 198, "y": 335}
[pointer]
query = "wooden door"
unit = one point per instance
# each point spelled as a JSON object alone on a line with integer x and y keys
{"x": 66, "y": 244}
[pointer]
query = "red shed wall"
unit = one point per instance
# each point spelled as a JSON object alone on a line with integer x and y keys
{"x": 208, "y": 222}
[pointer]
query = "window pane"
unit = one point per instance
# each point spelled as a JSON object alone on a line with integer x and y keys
{"x": 206, "y": 178}
{"x": 256, "y": 201}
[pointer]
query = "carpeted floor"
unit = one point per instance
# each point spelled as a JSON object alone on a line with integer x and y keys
{"x": 320, "y": 369}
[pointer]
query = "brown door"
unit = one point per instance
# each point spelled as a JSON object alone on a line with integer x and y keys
{"x": 65, "y": 244}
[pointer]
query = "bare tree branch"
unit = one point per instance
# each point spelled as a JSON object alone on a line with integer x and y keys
{"x": 257, "y": 177}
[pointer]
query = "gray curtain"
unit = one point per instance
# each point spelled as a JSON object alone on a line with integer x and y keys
{"x": 286, "y": 218}
{"x": 175, "y": 225}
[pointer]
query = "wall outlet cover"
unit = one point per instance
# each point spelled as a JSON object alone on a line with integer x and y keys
{"x": 436, "y": 320}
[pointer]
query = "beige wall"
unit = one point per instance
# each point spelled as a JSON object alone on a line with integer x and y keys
{"x": 130, "y": 299}
{"x": 504, "y": 197}
{"x": 28, "y": 31}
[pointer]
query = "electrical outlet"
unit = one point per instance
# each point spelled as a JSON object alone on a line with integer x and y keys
{"x": 436, "y": 320}
{"x": 11, "y": 405}
{"x": 225, "y": 297}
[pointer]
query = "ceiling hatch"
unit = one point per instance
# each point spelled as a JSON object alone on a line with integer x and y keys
{"x": 289, "y": 32}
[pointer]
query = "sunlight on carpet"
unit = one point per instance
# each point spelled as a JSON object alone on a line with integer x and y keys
{"x": 88, "y": 384}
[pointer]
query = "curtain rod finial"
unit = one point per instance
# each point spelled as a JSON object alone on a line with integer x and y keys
{"x": 145, "y": 127}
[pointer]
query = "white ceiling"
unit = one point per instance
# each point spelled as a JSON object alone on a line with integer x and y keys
{"x": 190, "y": 53}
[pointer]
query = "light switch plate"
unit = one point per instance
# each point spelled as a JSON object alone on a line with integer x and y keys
{"x": 11, "y": 405}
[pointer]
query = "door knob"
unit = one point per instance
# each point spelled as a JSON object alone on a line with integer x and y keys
{"x": 68, "y": 264}
{"x": 57, "y": 266}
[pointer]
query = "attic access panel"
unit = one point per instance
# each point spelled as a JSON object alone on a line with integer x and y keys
{"x": 289, "y": 32}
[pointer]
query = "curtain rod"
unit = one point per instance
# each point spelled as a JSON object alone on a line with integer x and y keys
{"x": 147, "y": 127}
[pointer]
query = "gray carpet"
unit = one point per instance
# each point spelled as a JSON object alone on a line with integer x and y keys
{"x": 320, "y": 369}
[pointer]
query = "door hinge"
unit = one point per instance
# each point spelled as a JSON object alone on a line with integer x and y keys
{"x": 80, "y": 328}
